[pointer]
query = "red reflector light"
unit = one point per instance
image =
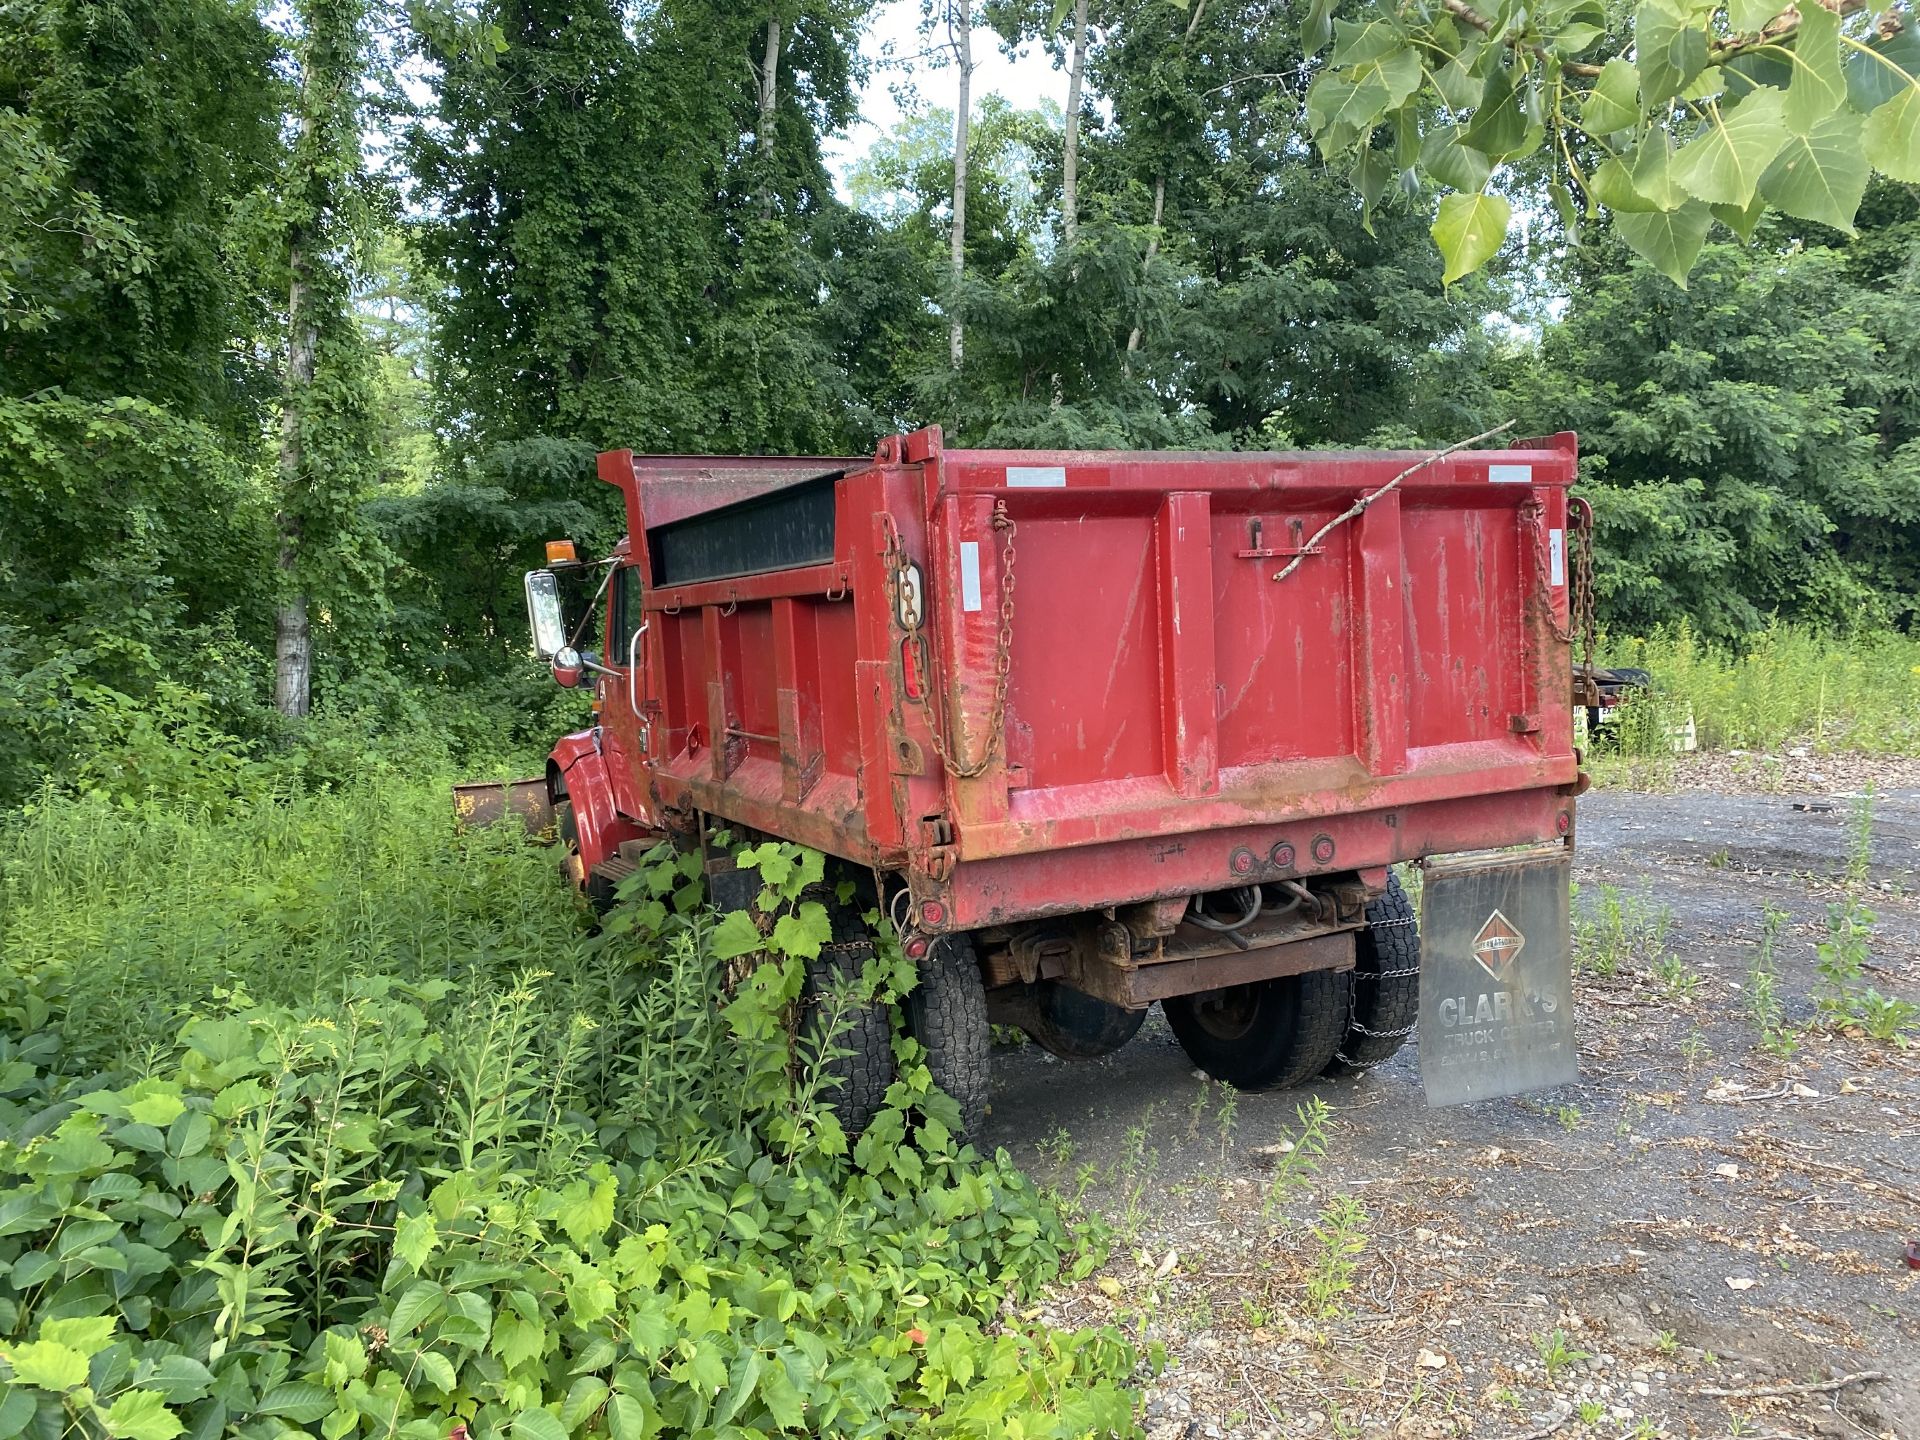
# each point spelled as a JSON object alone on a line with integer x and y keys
{"x": 910, "y": 670}
{"x": 916, "y": 947}
{"x": 933, "y": 912}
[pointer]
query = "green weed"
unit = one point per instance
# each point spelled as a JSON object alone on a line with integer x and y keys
{"x": 1339, "y": 1238}
{"x": 1557, "y": 1352}
{"x": 1788, "y": 684}
{"x": 1844, "y": 998}
{"x": 1299, "y": 1156}
{"x": 340, "y": 1121}
{"x": 1764, "y": 1006}
{"x": 1618, "y": 929}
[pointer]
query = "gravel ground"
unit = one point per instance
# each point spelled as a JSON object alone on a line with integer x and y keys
{"x": 1701, "y": 1214}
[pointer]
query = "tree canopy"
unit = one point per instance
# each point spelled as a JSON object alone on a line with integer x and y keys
{"x": 314, "y": 315}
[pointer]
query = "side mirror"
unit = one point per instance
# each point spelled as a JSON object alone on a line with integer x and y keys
{"x": 544, "y": 615}
{"x": 567, "y": 667}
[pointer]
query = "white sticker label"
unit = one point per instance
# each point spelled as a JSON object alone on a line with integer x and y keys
{"x": 1557, "y": 556}
{"x": 969, "y": 575}
{"x": 1037, "y": 477}
{"x": 1510, "y": 474}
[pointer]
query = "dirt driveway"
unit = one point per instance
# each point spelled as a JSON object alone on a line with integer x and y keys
{"x": 1703, "y": 1214}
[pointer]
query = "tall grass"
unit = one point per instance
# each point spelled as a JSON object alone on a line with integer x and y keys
{"x": 138, "y": 916}
{"x": 1785, "y": 685}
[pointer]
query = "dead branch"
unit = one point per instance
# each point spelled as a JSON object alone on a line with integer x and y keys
{"x": 1544, "y": 1430}
{"x": 1815, "y": 1387}
{"x": 1359, "y": 507}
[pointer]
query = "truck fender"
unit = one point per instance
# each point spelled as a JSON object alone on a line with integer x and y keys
{"x": 577, "y": 773}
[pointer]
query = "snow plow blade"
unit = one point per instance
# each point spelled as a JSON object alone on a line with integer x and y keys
{"x": 489, "y": 802}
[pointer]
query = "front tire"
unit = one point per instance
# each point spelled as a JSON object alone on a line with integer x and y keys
{"x": 1267, "y": 1035}
{"x": 947, "y": 1014}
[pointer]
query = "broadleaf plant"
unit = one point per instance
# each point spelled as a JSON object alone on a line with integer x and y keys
{"x": 1682, "y": 113}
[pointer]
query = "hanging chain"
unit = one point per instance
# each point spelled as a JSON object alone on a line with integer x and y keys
{"x": 1585, "y": 605}
{"x": 1582, "y": 628}
{"x": 907, "y": 607}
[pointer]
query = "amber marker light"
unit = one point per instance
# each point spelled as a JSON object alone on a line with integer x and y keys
{"x": 560, "y": 552}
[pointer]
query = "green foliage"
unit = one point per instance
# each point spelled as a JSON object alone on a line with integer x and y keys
{"x": 587, "y": 1197}
{"x": 1691, "y": 111}
{"x": 1753, "y": 441}
{"x": 617, "y": 271}
{"x": 1787, "y": 684}
{"x": 133, "y": 134}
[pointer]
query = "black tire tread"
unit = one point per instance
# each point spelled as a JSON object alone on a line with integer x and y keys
{"x": 1382, "y": 999}
{"x": 859, "y": 1078}
{"x": 1300, "y": 1042}
{"x": 1053, "y": 1001}
{"x": 947, "y": 1014}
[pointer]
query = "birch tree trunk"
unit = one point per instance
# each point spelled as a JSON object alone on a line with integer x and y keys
{"x": 1070, "y": 152}
{"x": 769, "y": 98}
{"x": 292, "y": 633}
{"x": 962, "y": 13}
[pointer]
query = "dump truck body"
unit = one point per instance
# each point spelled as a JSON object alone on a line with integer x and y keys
{"x": 1051, "y": 697}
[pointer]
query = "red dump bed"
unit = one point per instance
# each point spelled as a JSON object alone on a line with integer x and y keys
{"x": 1175, "y": 719}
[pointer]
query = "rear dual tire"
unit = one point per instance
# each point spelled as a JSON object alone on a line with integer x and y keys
{"x": 947, "y": 1014}
{"x": 1384, "y": 984}
{"x": 1273, "y": 1034}
{"x": 1267, "y": 1035}
{"x": 946, "y": 1011}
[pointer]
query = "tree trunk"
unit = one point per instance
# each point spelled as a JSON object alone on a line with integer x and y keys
{"x": 963, "y": 45}
{"x": 769, "y": 97}
{"x": 1160, "y": 186}
{"x": 1153, "y": 247}
{"x": 292, "y": 636}
{"x": 1070, "y": 153}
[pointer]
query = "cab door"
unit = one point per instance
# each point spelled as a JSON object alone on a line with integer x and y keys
{"x": 623, "y": 692}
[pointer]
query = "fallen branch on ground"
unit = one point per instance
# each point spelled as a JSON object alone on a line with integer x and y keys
{"x": 1815, "y": 1387}
{"x": 1545, "y": 1430}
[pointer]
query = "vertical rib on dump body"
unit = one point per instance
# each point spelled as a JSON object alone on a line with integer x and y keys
{"x": 833, "y": 652}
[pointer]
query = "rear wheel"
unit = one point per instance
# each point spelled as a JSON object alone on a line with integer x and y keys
{"x": 1075, "y": 1025}
{"x": 857, "y": 1034}
{"x": 1385, "y": 983}
{"x": 947, "y": 1014}
{"x": 1266, "y": 1035}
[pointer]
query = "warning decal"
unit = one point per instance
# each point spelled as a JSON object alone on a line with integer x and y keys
{"x": 1498, "y": 945}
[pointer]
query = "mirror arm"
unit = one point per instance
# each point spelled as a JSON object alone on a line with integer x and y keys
{"x": 612, "y": 562}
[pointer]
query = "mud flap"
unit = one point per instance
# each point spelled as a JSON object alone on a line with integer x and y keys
{"x": 1496, "y": 976}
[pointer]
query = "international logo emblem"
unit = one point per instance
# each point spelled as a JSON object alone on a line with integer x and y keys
{"x": 1498, "y": 945}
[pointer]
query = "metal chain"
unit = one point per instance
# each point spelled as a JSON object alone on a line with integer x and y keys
{"x": 1383, "y": 1034}
{"x": 908, "y": 610}
{"x": 1582, "y": 629}
{"x": 1585, "y": 606}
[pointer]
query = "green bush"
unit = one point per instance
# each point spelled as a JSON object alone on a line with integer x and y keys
{"x": 360, "y": 1133}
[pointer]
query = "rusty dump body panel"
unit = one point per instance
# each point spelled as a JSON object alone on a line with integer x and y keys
{"x": 1175, "y": 719}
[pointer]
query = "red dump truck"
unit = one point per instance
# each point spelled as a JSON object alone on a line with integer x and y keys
{"x": 1097, "y": 730}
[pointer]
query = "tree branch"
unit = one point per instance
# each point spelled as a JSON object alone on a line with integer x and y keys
{"x": 1359, "y": 507}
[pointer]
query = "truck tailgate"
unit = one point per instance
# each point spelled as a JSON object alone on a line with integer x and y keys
{"x": 1159, "y": 678}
